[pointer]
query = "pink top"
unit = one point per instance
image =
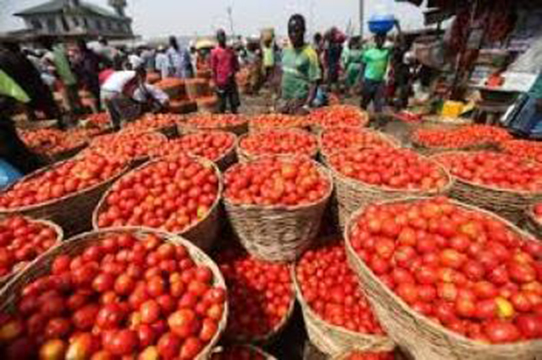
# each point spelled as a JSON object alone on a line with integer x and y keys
{"x": 223, "y": 64}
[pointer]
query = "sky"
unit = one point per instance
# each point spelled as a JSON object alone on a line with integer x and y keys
{"x": 154, "y": 18}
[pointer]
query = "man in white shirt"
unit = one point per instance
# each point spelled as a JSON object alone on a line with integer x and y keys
{"x": 127, "y": 96}
{"x": 162, "y": 63}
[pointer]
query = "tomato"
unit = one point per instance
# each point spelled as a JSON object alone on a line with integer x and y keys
{"x": 150, "y": 311}
{"x": 124, "y": 284}
{"x": 169, "y": 345}
{"x": 191, "y": 348}
{"x": 53, "y": 350}
{"x": 85, "y": 317}
{"x": 501, "y": 332}
{"x": 123, "y": 342}
{"x": 110, "y": 316}
{"x": 183, "y": 323}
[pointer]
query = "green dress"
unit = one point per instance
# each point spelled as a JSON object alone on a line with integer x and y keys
{"x": 353, "y": 66}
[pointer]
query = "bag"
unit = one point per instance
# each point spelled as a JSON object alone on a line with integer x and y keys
{"x": 8, "y": 174}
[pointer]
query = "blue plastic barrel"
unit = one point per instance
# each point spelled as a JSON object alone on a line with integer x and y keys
{"x": 381, "y": 24}
{"x": 8, "y": 174}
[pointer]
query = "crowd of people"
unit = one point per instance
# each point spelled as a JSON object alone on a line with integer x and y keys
{"x": 301, "y": 74}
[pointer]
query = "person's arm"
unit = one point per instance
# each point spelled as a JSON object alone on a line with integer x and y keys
{"x": 315, "y": 76}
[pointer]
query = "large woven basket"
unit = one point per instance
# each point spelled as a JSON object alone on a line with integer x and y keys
{"x": 226, "y": 160}
{"x": 423, "y": 338}
{"x": 244, "y": 156}
{"x": 72, "y": 212}
{"x": 510, "y": 204}
{"x": 253, "y": 349}
{"x": 11, "y": 293}
{"x": 334, "y": 340}
{"x": 204, "y": 232}
{"x": 352, "y": 194}
{"x": 65, "y": 155}
{"x": 278, "y": 233}
{"x": 428, "y": 151}
{"x": 59, "y": 237}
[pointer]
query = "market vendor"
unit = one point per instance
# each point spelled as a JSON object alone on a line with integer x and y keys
{"x": 301, "y": 73}
{"x": 127, "y": 96}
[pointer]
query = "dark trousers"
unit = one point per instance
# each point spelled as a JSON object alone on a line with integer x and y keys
{"x": 373, "y": 91}
{"x": 14, "y": 151}
{"x": 228, "y": 94}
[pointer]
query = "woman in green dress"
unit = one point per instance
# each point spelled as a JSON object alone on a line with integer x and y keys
{"x": 353, "y": 64}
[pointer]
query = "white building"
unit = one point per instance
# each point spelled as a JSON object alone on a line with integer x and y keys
{"x": 76, "y": 17}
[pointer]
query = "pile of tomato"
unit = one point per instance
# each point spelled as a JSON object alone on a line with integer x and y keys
{"x": 154, "y": 122}
{"x": 214, "y": 121}
{"x": 128, "y": 145}
{"x": 53, "y": 141}
{"x": 99, "y": 121}
{"x": 62, "y": 179}
{"x": 172, "y": 193}
{"x": 120, "y": 297}
{"x": 339, "y": 116}
{"x": 464, "y": 136}
{"x": 277, "y": 121}
{"x": 391, "y": 168}
{"x": 212, "y": 145}
{"x": 495, "y": 170}
{"x": 338, "y": 139}
{"x": 259, "y": 294}
{"x": 461, "y": 268}
{"x": 524, "y": 148}
{"x": 272, "y": 181}
{"x": 331, "y": 290}
{"x": 238, "y": 352}
{"x": 279, "y": 142}
{"x": 22, "y": 240}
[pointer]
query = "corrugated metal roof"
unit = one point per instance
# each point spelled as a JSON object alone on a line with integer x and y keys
{"x": 58, "y": 5}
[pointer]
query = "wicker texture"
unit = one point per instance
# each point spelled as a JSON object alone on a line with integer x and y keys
{"x": 278, "y": 233}
{"x": 334, "y": 340}
{"x": 171, "y": 132}
{"x": 11, "y": 293}
{"x": 531, "y": 223}
{"x": 245, "y": 157}
{"x": 204, "y": 232}
{"x": 429, "y": 151}
{"x": 423, "y": 338}
{"x": 352, "y": 194}
{"x": 72, "y": 212}
{"x": 510, "y": 204}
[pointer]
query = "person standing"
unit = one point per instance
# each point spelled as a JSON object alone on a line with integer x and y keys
{"x": 332, "y": 56}
{"x": 353, "y": 64}
{"x": 375, "y": 62}
{"x": 57, "y": 57}
{"x": 268, "y": 54}
{"x": 87, "y": 66}
{"x": 179, "y": 58}
{"x": 301, "y": 73}
{"x": 162, "y": 63}
{"x": 224, "y": 66}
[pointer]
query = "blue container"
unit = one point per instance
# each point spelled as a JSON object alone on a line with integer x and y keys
{"x": 8, "y": 174}
{"x": 381, "y": 24}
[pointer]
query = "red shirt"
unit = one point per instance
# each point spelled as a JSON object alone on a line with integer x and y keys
{"x": 223, "y": 64}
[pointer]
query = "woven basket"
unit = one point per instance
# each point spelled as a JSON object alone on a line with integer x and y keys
{"x": 204, "y": 232}
{"x": 244, "y": 156}
{"x": 278, "y": 233}
{"x": 59, "y": 237}
{"x": 352, "y": 194}
{"x": 423, "y": 338}
{"x": 253, "y": 349}
{"x": 73, "y": 212}
{"x": 507, "y": 203}
{"x": 429, "y": 151}
{"x": 65, "y": 155}
{"x": 11, "y": 293}
{"x": 171, "y": 132}
{"x": 334, "y": 340}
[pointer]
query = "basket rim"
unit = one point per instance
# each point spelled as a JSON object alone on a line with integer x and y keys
{"x": 321, "y": 169}
{"x": 222, "y": 348}
{"x": 39, "y": 172}
{"x": 385, "y": 137}
{"x": 485, "y": 187}
{"x": 203, "y": 161}
{"x": 230, "y": 150}
{"x": 239, "y": 146}
{"x": 401, "y": 303}
{"x": 218, "y": 278}
{"x": 412, "y": 192}
{"x": 307, "y": 308}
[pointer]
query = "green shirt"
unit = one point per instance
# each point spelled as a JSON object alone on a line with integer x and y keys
{"x": 62, "y": 65}
{"x": 376, "y": 63}
{"x": 8, "y": 87}
{"x": 268, "y": 57}
{"x": 300, "y": 69}
{"x": 536, "y": 89}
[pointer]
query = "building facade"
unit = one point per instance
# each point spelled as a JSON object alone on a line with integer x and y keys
{"x": 76, "y": 17}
